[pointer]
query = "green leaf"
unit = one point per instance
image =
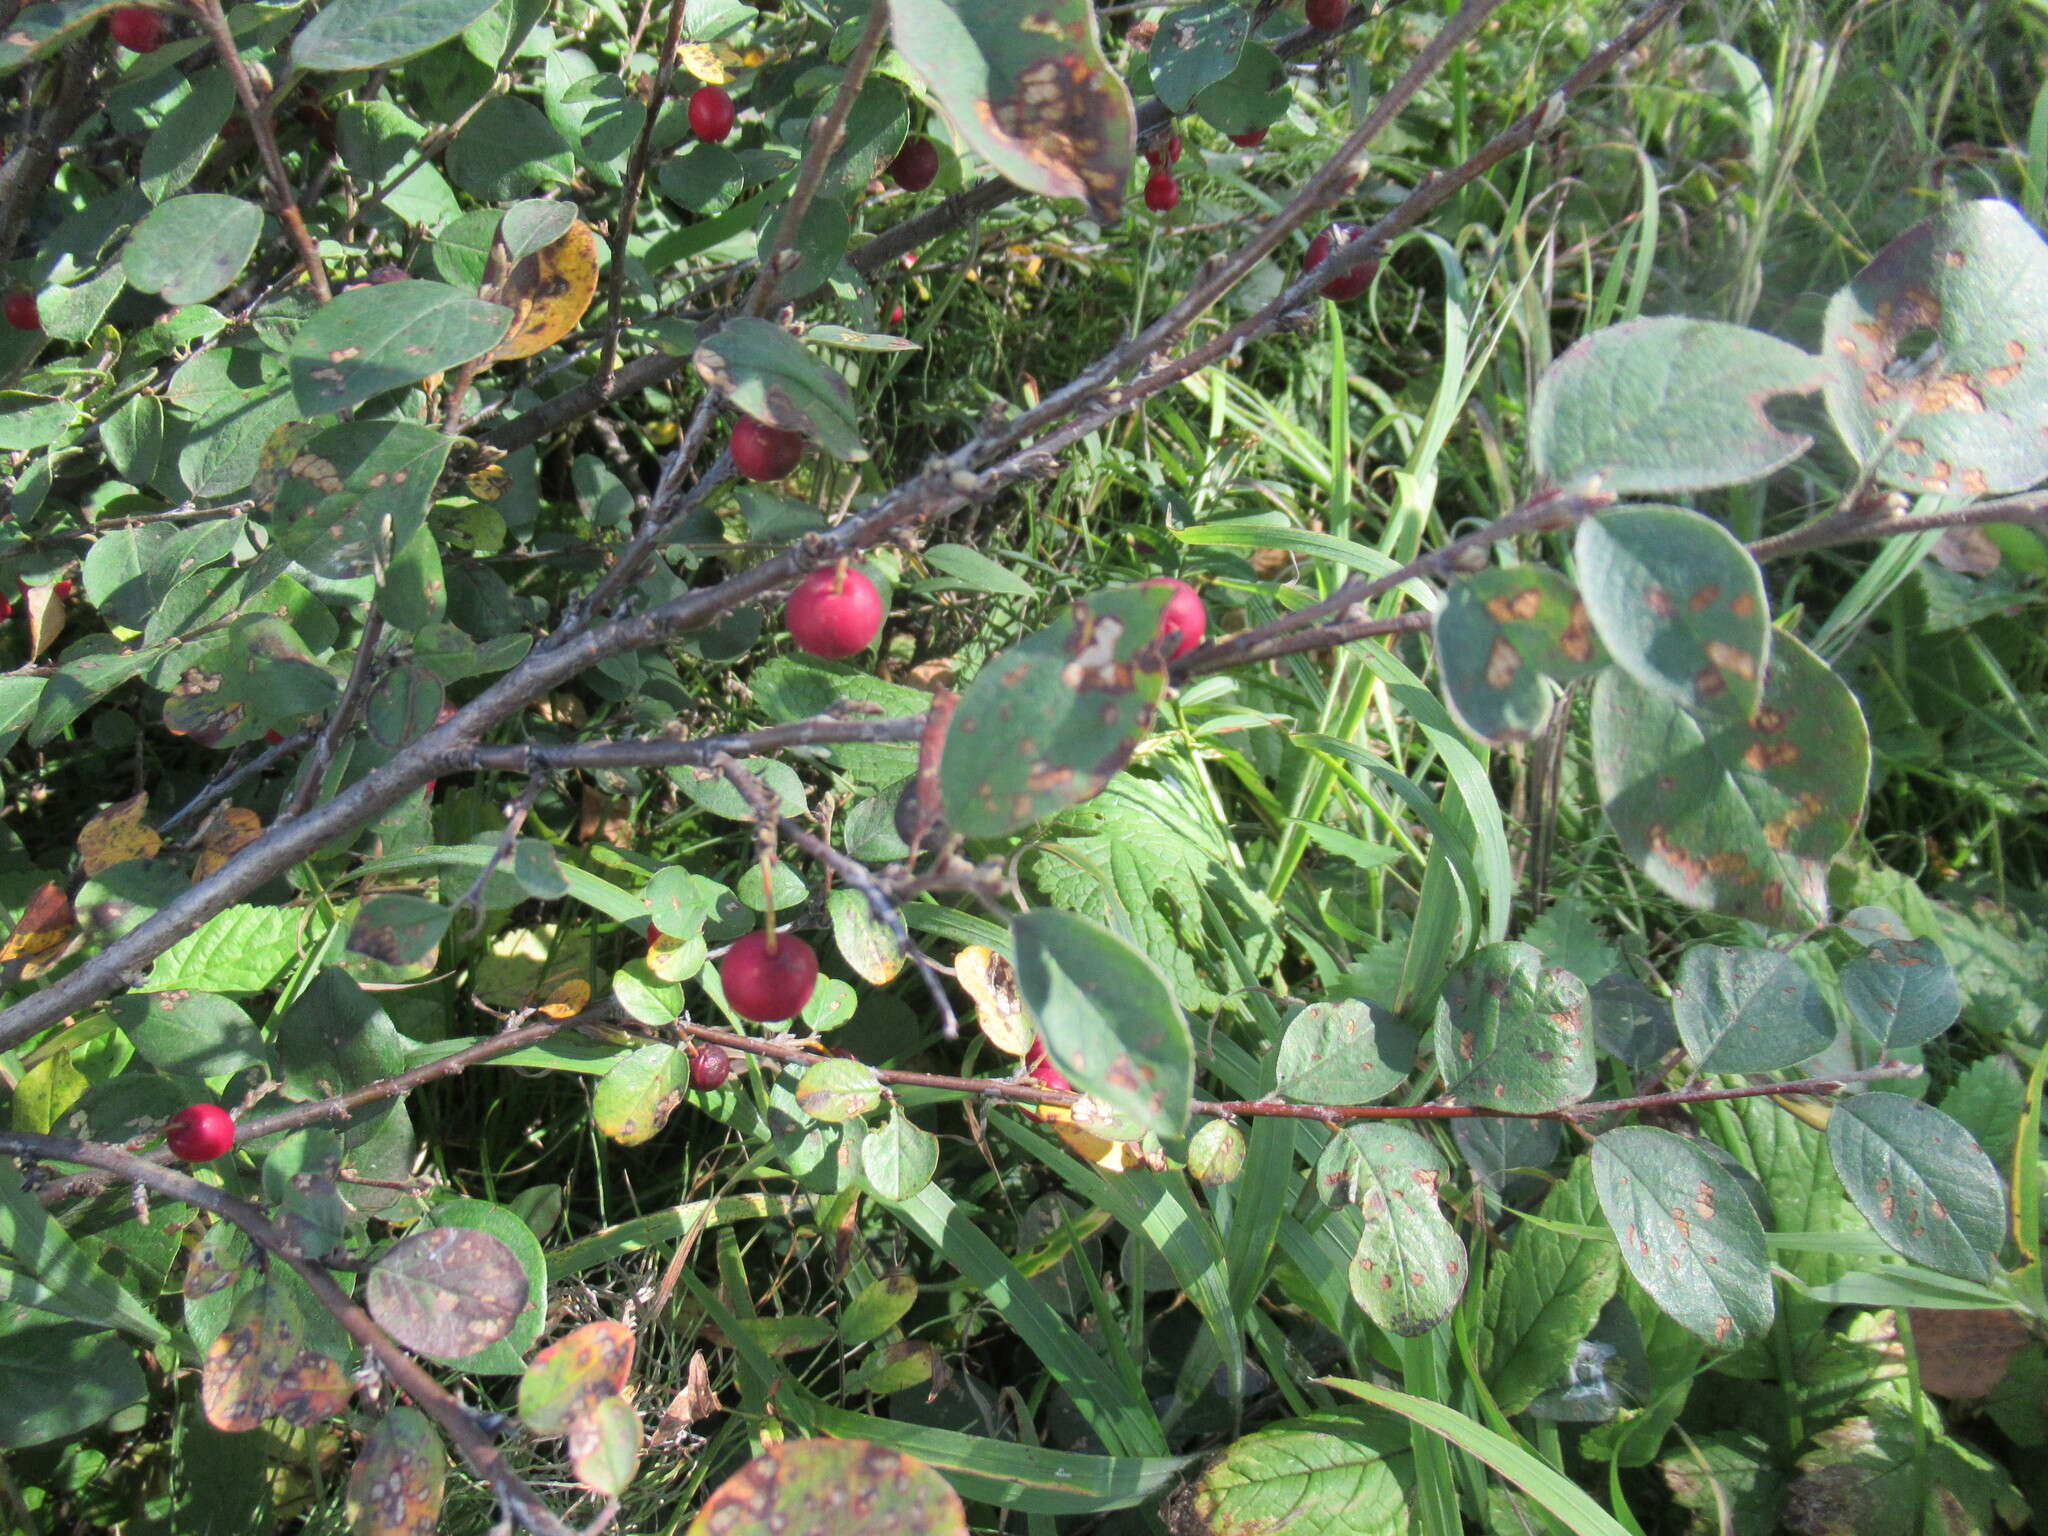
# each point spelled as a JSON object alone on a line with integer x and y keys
{"x": 1107, "y": 1017}
{"x": 1505, "y": 638}
{"x": 1740, "y": 817}
{"x": 1051, "y": 720}
{"x": 1544, "y": 1295}
{"x": 838, "y": 1089}
{"x": 50, "y": 1272}
{"x": 192, "y": 1034}
{"x": 770, "y": 375}
{"x": 1409, "y": 1268}
{"x": 1253, "y": 95}
{"x": 1330, "y": 1474}
{"x": 604, "y": 1449}
{"x": 343, "y": 502}
{"x": 336, "y": 1037}
{"x": 899, "y": 1159}
{"x": 1687, "y": 1231}
{"x": 240, "y": 950}
{"x": 368, "y": 340}
{"x": 1027, "y": 90}
{"x": 976, "y": 572}
{"x": 366, "y": 34}
{"x": 1344, "y": 1052}
{"x": 58, "y": 1380}
{"x": 1901, "y": 993}
{"x": 1513, "y": 1033}
{"x": 879, "y": 1306}
{"x": 1921, "y": 1182}
{"x": 1661, "y": 405}
{"x": 865, "y": 941}
{"x": 1933, "y": 355}
{"x": 399, "y": 929}
{"x": 1195, "y": 48}
{"x": 191, "y": 247}
{"x": 635, "y": 1098}
{"x": 180, "y": 143}
{"x": 1680, "y": 604}
{"x": 40, "y": 30}
{"x": 1748, "y": 1010}
{"x": 870, "y": 1491}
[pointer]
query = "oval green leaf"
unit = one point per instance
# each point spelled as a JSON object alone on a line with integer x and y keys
{"x": 1901, "y": 993}
{"x": 368, "y": 340}
{"x": 1748, "y": 1010}
{"x": 1513, "y": 1033}
{"x": 366, "y": 34}
{"x": 1345, "y": 1052}
{"x": 1504, "y": 639}
{"x": 191, "y": 247}
{"x": 1921, "y": 1181}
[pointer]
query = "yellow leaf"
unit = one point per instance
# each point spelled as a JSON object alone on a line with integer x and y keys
{"x": 39, "y": 936}
{"x": 548, "y": 292}
{"x": 226, "y": 835}
{"x": 117, "y": 835}
{"x": 45, "y": 619}
{"x": 986, "y": 977}
{"x": 702, "y": 60}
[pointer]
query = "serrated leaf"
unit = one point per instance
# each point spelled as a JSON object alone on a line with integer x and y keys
{"x": 1933, "y": 355}
{"x": 1027, "y": 90}
{"x": 768, "y": 374}
{"x": 1543, "y": 1296}
{"x": 367, "y": 34}
{"x": 1666, "y": 404}
{"x": 1687, "y": 1232}
{"x": 1901, "y": 993}
{"x": 1050, "y": 721}
{"x": 190, "y": 248}
{"x": 1680, "y": 605}
{"x": 1345, "y": 1052}
{"x": 1921, "y": 1182}
{"x": 1740, "y": 817}
{"x": 1330, "y": 1474}
{"x": 1107, "y": 1018}
{"x": 368, "y": 340}
{"x": 240, "y": 950}
{"x": 870, "y": 1490}
{"x": 1513, "y": 1033}
{"x": 1505, "y": 638}
{"x": 1748, "y": 1010}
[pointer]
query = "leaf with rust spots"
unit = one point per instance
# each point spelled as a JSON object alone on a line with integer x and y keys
{"x": 1937, "y": 355}
{"x": 258, "y": 1368}
{"x": 1921, "y": 1181}
{"x": 571, "y": 1376}
{"x": 368, "y": 340}
{"x": 348, "y": 498}
{"x": 1505, "y": 638}
{"x": 991, "y": 981}
{"x": 1749, "y": 1010}
{"x": 227, "y": 833}
{"x": 1901, "y": 993}
{"x": 548, "y": 292}
{"x": 832, "y": 1488}
{"x": 400, "y": 1476}
{"x": 1736, "y": 816}
{"x": 1654, "y": 406}
{"x": 1081, "y": 691}
{"x": 450, "y": 1292}
{"x": 1512, "y": 1033}
{"x": 118, "y": 834}
{"x": 1966, "y": 1353}
{"x": 1680, "y": 604}
{"x": 1409, "y": 1268}
{"x": 1028, "y": 89}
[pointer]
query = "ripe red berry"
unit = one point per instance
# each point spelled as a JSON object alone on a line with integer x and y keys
{"x": 916, "y": 165}
{"x": 1162, "y": 192}
{"x": 273, "y": 738}
{"x": 711, "y": 114}
{"x": 62, "y": 591}
{"x": 835, "y": 612}
{"x": 710, "y": 1066}
{"x": 139, "y": 30}
{"x": 768, "y": 977}
{"x": 199, "y": 1133}
{"x": 1042, "y": 1071}
{"x": 762, "y": 452}
{"x": 896, "y": 315}
{"x": 6, "y": 609}
{"x": 1185, "y": 620}
{"x": 1250, "y": 140}
{"x": 1352, "y": 283}
{"x": 22, "y": 313}
{"x": 1327, "y": 15}
{"x": 1166, "y": 152}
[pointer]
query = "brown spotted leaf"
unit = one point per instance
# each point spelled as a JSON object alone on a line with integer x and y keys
{"x": 118, "y": 834}
{"x": 1736, "y": 816}
{"x": 1505, "y": 638}
{"x": 258, "y": 1368}
{"x": 1688, "y": 1233}
{"x": 1512, "y": 1033}
{"x": 548, "y": 292}
{"x": 1966, "y": 1353}
{"x": 227, "y": 834}
{"x": 1937, "y": 355}
{"x": 988, "y": 978}
{"x": 604, "y": 1446}
{"x": 1409, "y": 1268}
{"x": 449, "y": 1292}
{"x": 1680, "y": 605}
{"x": 397, "y": 1483}
{"x": 571, "y": 1376}
{"x": 368, "y": 340}
{"x": 1028, "y": 89}
{"x": 39, "y": 935}
{"x": 832, "y": 1488}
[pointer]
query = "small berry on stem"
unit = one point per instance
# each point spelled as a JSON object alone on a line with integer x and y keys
{"x": 1185, "y": 620}
{"x": 22, "y": 313}
{"x": 712, "y": 114}
{"x": 1165, "y": 152}
{"x": 1251, "y": 140}
{"x": 768, "y": 977}
{"x": 1162, "y": 192}
{"x": 1352, "y": 283}
{"x": 136, "y": 28}
{"x": 835, "y": 612}
{"x": 916, "y": 165}
{"x": 199, "y": 1133}
{"x": 762, "y": 452}
{"x": 710, "y": 1066}
{"x": 1327, "y": 15}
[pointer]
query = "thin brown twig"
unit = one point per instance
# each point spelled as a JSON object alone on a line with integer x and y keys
{"x": 629, "y": 206}
{"x": 340, "y": 720}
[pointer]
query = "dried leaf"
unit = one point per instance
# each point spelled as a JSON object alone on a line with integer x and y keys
{"x": 548, "y": 292}
{"x": 227, "y": 833}
{"x": 118, "y": 834}
{"x": 40, "y": 934}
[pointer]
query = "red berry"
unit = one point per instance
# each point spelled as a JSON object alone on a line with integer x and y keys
{"x": 1352, "y": 283}
{"x": 1162, "y": 192}
{"x": 896, "y": 315}
{"x": 139, "y": 30}
{"x": 22, "y": 313}
{"x": 916, "y": 165}
{"x": 6, "y": 609}
{"x": 62, "y": 591}
{"x": 835, "y": 612}
{"x": 1166, "y": 152}
{"x": 762, "y": 452}
{"x": 1250, "y": 140}
{"x": 1327, "y": 15}
{"x": 1042, "y": 1071}
{"x": 709, "y": 1068}
{"x": 768, "y": 977}
{"x": 711, "y": 114}
{"x": 199, "y": 1133}
{"x": 1185, "y": 620}
{"x": 273, "y": 738}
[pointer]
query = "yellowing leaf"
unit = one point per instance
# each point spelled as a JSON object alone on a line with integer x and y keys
{"x": 703, "y": 61}
{"x": 987, "y": 978}
{"x": 226, "y": 835}
{"x": 117, "y": 835}
{"x": 548, "y": 292}
{"x": 38, "y": 939}
{"x": 567, "y": 999}
{"x": 45, "y": 619}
